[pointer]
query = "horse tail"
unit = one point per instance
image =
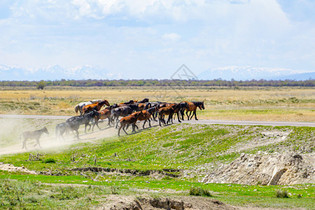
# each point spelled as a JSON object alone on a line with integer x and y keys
{"x": 76, "y": 108}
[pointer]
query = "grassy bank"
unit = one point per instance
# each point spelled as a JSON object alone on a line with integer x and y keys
{"x": 177, "y": 157}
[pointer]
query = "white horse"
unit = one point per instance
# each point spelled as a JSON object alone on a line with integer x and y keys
{"x": 79, "y": 107}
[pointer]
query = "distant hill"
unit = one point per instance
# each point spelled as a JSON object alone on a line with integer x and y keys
{"x": 54, "y": 73}
{"x": 298, "y": 77}
{"x": 254, "y": 73}
{"x": 90, "y": 72}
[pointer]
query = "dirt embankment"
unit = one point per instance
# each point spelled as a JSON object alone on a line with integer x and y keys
{"x": 266, "y": 169}
{"x": 137, "y": 203}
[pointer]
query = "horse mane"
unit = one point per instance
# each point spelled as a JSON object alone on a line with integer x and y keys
{"x": 197, "y": 103}
{"x": 144, "y": 100}
{"x": 102, "y": 103}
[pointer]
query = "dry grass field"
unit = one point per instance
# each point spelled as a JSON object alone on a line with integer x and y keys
{"x": 264, "y": 104}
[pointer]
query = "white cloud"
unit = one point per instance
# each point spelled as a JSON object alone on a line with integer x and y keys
{"x": 159, "y": 35}
{"x": 171, "y": 36}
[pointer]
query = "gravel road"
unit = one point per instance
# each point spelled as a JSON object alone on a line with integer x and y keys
{"x": 222, "y": 122}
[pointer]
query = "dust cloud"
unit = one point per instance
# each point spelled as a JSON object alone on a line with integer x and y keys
{"x": 11, "y": 135}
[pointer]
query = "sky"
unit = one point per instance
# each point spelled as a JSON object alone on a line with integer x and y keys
{"x": 152, "y": 38}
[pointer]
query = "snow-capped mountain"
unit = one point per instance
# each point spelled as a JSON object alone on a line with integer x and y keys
{"x": 55, "y": 73}
{"x": 257, "y": 73}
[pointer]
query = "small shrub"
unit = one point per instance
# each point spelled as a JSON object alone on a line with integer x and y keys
{"x": 114, "y": 190}
{"x": 49, "y": 160}
{"x": 197, "y": 191}
{"x": 282, "y": 194}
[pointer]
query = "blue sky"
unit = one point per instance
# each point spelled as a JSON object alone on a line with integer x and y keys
{"x": 152, "y": 38}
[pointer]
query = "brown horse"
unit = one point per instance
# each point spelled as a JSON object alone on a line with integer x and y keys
{"x": 103, "y": 114}
{"x": 145, "y": 116}
{"x": 192, "y": 109}
{"x": 169, "y": 110}
{"x": 79, "y": 107}
{"x": 97, "y": 106}
{"x": 129, "y": 120}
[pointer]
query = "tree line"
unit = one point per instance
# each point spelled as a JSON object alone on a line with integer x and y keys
{"x": 154, "y": 82}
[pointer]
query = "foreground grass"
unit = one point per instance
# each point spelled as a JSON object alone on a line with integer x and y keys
{"x": 182, "y": 147}
{"x": 77, "y": 192}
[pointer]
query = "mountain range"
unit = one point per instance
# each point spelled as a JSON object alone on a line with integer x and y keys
{"x": 55, "y": 73}
{"x": 90, "y": 72}
{"x": 254, "y": 73}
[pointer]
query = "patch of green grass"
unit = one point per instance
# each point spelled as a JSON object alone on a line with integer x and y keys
{"x": 73, "y": 189}
{"x": 174, "y": 147}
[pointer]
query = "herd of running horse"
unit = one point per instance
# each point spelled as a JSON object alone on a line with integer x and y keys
{"x": 121, "y": 116}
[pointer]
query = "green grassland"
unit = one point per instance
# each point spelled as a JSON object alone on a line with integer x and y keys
{"x": 153, "y": 160}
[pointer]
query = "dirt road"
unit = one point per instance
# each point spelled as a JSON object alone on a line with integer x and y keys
{"x": 223, "y": 122}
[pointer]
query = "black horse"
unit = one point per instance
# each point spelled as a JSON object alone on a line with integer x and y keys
{"x": 33, "y": 135}
{"x": 75, "y": 122}
{"x": 61, "y": 129}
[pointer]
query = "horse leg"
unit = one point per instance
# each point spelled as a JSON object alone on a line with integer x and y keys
{"x": 178, "y": 118}
{"x": 144, "y": 124}
{"x": 124, "y": 129}
{"x": 187, "y": 115}
{"x": 109, "y": 121}
{"x": 154, "y": 116}
{"x": 119, "y": 130}
{"x": 134, "y": 126}
{"x": 182, "y": 114}
{"x": 149, "y": 122}
{"x": 24, "y": 143}
{"x": 191, "y": 114}
{"x": 117, "y": 121}
{"x": 168, "y": 119}
{"x": 37, "y": 140}
{"x": 77, "y": 133}
{"x": 85, "y": 127}
{"x": 195, "y": 113}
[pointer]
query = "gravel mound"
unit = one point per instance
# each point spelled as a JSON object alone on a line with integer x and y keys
{"x": 266, "y": 169}
{"x": 10, "y": 167}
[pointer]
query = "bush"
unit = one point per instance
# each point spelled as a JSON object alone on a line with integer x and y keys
{"x": 41, "y": 85}
{"x": 49, "y": 160}
{"x": 197, "y": 191}
{"x": 114, "y": 190}
{"x": 282, "y": 194}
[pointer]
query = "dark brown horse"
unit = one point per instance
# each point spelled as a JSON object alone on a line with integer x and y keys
{"x": 192, "y": 109}
{"x": 169, "y": 110}
{"x": 97, "y": 106}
